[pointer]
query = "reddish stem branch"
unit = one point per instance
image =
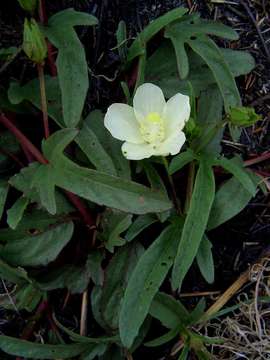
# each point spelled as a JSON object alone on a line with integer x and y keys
{"x": 257, "y": 159}
{"x": 74, "y": 199}
{"x": 23, "y": 139}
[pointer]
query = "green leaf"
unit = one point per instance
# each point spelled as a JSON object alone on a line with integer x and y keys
{"x": 104, "y": 189}
{"x": 31, "y": 92}
{"x": 26, "y": 297}
{"x": 15, "y": 213}
{"x": 15, "y": 275}
{"x": 89, "y": 143}
{"x": 230, "y": 199}
{"x": 210, "y": 116}
{"x": 71, "y": 62}
{"x": 169, "y": 311}
{"x": 121, "y": 37}
{"x": 3, "y": 195}
{"x": 141, "y": 223}
{"x": 114, "y": 223}
{"x": 163, "y": 339}
{"x": 195, "y": 223}
{"x": 235, "y": 167}
{"x": 205, "y": 260}
{"x": 138, "y": 45}
{"x": 145, "y": 281}
{"x": 31, "y": 350}
{"x": 116, "y": 164}
{"x": 106, "y": 309}
{"x": 210, "y": 53}
{"x": 165, "y": 73}
{"x": 38, "y": 249}
{"x": 184, "y": 353}
{"x": 179, "y": 161}
{"x": 56, "y": 143}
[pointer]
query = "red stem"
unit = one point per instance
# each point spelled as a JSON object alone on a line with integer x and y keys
{"x": 23, "y": 139}
{"x": 74, "y": 199}
{"x": 257, "y": 159}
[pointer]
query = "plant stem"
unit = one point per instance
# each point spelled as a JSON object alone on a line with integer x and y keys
{"x": 74, "y": 199}
{"x": 43, "y": 99}
{"x": 176, "y": 201}
{"x": 190, "y": 184}
{"x": 140, "y": 72}
{"x": 23, "y": 139}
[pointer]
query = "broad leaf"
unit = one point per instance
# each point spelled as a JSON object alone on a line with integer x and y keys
{"x": 71, "y": 62}
{"x": 38, "y": 249}
{"x": 145, "y": 281}
{"x": 195, "y": 223}
{"x": 15, "y": 275}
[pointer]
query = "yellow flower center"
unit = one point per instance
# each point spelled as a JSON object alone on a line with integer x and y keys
{"x": 152, "y": 128}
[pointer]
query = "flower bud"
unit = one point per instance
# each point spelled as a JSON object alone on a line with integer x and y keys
{"x": 34, "y": 44}
{"x": 28, "y": 5}
{"x": 243, "y": 116}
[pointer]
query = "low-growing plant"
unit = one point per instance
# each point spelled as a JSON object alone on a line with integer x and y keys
{"x": 127, "y": 224}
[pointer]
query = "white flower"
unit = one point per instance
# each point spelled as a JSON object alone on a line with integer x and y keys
{"x": 152, "y": 126}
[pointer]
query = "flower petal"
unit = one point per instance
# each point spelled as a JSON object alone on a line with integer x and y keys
{"x": 176, "y": 113}
{"x": 148, "y": 98}
{"x": 172, "y": 145}
{"x": 137, "y": 151}
{"x": 121, "y": 122}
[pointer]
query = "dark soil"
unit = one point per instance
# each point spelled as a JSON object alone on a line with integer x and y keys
{"x": 238, "y": 242}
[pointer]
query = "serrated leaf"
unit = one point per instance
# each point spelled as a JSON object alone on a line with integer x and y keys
{"x": 15, "y": 213}
{"x": 31, "y": 350}
{"x": 205, "y": 260}
{"x": 38, "y": 249}
{"x": 71, "y": 62}
{"x": 195, "y": 222}
{"x": 145, "y": 281}
{"x": 235, "y": 167}
{"x": 179, "y": 161}
{"x": 169, "y": 311}
{"x": 138, "y": 45}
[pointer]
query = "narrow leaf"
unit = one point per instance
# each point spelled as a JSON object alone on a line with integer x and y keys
{"x": 205, "y": 260}
{"x": 31, "y": 350}
{"x": 145, "y": 281}
{"x": 235, "y": 167}
{"x": 15, "y": 213}
{"x": 195, "y": 223}
{"x": 179, "y": 161}
{"x": 3, "y": 195}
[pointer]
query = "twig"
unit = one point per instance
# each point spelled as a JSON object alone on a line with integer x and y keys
{"x": 245, "y": 5}
{"x": 84, "y": 308}
{"x": 233, "y": 289}
{"x": 258, "y": 159}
